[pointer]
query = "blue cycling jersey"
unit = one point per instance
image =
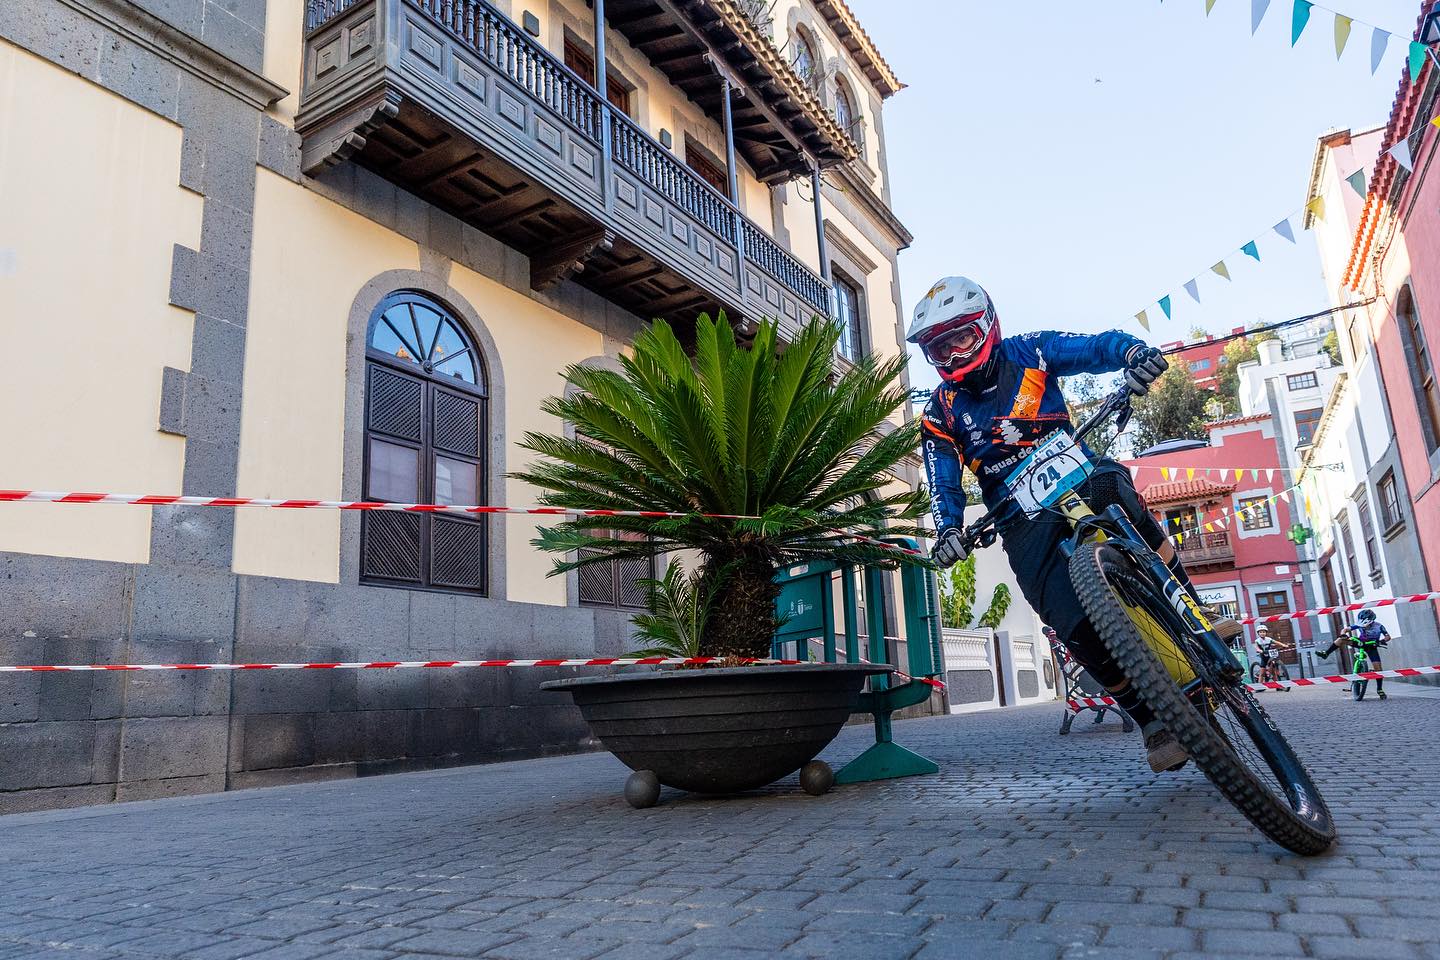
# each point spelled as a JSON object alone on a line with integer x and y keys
{"x": 990, "y": 429}
{"x": 1370, "y": 636}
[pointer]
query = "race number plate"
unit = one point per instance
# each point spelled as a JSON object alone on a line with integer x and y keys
{"x": 1055, "y": 467}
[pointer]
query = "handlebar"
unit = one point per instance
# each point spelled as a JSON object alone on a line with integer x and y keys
{"x": 981, "y": 533}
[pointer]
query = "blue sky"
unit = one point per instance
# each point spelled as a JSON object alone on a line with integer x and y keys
{"x": 1077, "y": 203}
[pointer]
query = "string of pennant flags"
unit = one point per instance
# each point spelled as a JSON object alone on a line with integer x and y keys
{"x": 1380, "y": 42}
{"x": 1220, "y": 519}
{"x": 1344, "y": 24}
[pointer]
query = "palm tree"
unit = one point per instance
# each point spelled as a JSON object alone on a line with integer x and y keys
{"x": 768, "y": 434}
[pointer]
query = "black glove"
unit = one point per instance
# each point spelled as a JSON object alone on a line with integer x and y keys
{"x": 1143, "y": 364}
{"x": 950, "y": 550}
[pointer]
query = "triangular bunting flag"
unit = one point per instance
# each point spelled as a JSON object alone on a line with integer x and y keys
{"x": 1307, "y": 503}
{"x": 1250, "y": 250}
{"x": 1417, "y": 60}
{"x": 1209, "y": 5}
{"x": 1254, "y": 476}
{"x": 1193, "y": 289}
{"x": 1165, "y": 472}
{"x": 1143, "y": 319}
{"x": 1283, "y": 228}
{"x": 1435, "y": 122}
{"x": 1221, "y": 270}
{"x": 1342, "y": 33}
{"x": 1257, "y": 13}
{"x": 1298, "y": 18}
{"x": 1401, "y": 153}
{"x": 1238, "y": 473}
{"x": 1134, "y": 474}
{"x": 1357, "y": 181}
{"x": 1285, "y": 495}
{"x": 1378, "y": 39}
{"x": 1209, "y": 528}
{"x": 1317, "y": 207}
{"x": 1189, "y": 473}
{"x": 1165, "y": 305}
{"x": 1269, "y": 476}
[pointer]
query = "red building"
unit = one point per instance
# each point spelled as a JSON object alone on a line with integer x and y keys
{"x": 1231, "y": 528}
{"x": 1203, "y": 358}
{"x": 1395, "y": 259}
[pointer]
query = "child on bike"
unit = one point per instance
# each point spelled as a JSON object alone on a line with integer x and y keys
{"x": 1267, "y": 651}
{"x": 997, "y": 399}
{"x": 1369, "y": 635}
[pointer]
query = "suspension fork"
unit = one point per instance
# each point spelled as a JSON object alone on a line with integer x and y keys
{"x": 1115, "y": 526}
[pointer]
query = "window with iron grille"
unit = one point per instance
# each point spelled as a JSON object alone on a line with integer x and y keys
{"x": 617, "y": 582}
{"x": 1367, "y": 533}
{"x": 1301, "y": 381}
{"x": 424, "y": 412}
{"x": 1390, "y": 514}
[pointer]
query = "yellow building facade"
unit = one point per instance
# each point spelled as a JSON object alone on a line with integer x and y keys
{"x": 255, "y": 201}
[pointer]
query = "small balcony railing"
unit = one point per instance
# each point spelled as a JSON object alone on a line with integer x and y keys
{"x": 482, "y": 31}
{"x": 1207, "y": 548}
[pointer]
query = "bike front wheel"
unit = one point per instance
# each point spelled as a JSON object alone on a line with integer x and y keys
{"x": 1220, "y": 724}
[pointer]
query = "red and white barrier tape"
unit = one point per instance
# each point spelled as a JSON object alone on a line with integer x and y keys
{"x": 1343, "y": 608}
{"x": 899, "y": 675}
{"x": 387, "y": 664}
{"x": 1081, "y": 703}
{"x": 167, "y": 500}
{"x": 420, "y": 664}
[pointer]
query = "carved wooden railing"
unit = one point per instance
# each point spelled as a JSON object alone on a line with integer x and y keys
{"x": 762, "y": 250}
{"x": 634, "y": 150}
{"x": 1206, "y": 547}
{"x": 487, "y": 32}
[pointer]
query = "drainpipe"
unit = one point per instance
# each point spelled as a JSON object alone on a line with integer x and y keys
{"x": 820, "y": 236}
{"x": 733, "y": 182}
{"x": 602, "y": 88}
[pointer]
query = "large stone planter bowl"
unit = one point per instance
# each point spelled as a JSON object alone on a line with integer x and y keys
{"x": 720, "y": 730}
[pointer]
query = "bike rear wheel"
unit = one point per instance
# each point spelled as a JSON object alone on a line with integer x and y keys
{"x": 1255, "y": 673}
{"x": 1223, "y": 728}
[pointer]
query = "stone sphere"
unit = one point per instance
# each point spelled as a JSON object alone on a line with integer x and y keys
{"x": 816, "y": 778}
{"x": 642, "y": 789}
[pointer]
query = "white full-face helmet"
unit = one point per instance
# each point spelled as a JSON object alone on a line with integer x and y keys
{"x": 956, "y": 328}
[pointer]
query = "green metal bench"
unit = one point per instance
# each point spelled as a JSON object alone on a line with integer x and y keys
{"x": 807, "y": 605}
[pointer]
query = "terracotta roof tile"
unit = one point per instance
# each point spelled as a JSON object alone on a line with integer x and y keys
{"x": 1185, "y": 491}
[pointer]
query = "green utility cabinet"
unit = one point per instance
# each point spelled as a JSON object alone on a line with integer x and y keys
{"x": 807, "y": 607}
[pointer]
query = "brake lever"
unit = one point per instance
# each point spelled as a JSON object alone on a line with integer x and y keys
{"x": 1122, "y": 420}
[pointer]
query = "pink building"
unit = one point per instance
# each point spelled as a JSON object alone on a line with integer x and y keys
{"x": 1202, "y": 358}
{"x": 1241, "y": 560}
{"x": 1395, "y": 258}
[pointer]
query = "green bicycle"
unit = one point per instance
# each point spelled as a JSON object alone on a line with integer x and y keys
{"x": 1162, "y": 641}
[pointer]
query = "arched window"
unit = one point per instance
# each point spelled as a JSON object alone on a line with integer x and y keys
{"x": 804, "y": 60}
{"x": 844, "y": 109}
{"x": 1422, "y": 366}
{"x": 424, "y": 418}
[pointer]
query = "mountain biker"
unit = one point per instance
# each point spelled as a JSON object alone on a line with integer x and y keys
{"x": 1267, "y": 648}
{"x": 997, "y": 399}
{"x": 1369, "y": 634}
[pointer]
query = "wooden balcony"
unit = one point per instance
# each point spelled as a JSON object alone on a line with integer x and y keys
{"x": 1200, "y": 550}
{"x": 453, "y": 102}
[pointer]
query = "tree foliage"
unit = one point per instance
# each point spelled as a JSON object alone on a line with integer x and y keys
{"x": 1174, "y": 409}
{"x": 678, "y": 605}
{"x": 1227, "y": 382}
{"x": 957, "y": 594}
{"x": 999, "y": 604}
{"x": 1083, "y": 394}
{"x": 740, "y": 432}
{"x": 1331, "y": 347}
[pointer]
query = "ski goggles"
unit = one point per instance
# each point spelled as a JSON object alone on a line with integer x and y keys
{"x": 958, "y": 343}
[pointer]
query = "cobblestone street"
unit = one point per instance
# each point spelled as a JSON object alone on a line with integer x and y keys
{"x": 1026, "y": 844}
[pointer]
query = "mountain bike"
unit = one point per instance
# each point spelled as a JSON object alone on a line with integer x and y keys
{"x": 1274, "y": 670}
{"x": 1162, "y": 641}
{"x": 1360, "y": 664}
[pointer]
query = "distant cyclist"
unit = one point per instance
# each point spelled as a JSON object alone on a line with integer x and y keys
{"x": 1267, "y": 649}
{"x": 1369, "y": 635}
